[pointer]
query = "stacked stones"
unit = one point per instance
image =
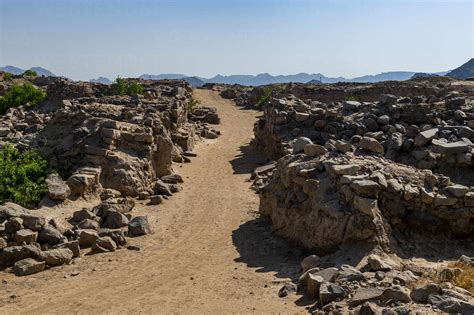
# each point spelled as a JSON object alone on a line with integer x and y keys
{"x": 380, "y": 286}
{"x": 30, "y": 242}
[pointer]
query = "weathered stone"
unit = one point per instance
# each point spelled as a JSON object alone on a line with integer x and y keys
{"x": 114, "y": 220}
{"x": 420, "y": 294}
{"x": 363, "y": 295}
{"x": 156, "y": 199}
{"x": 426, "y": 136}
{"x": 56, "y": 257}
{"x": 25, "y": 236}
{"x": 172, "y": 179}
{"x": 329, "y": 292}
{"x": 28, "y": 266}
{"x": 310, "y": 262}
{"x": 366, "y": 187}
{"x": 451, "y": 305}
{"x": 57, "y": 188}
{"x": 50, "y": 235}
{"x": 458, "y": 190}
{"x": 13, "y": 224}
{"x": 396, "y": 294}
{"x": 314, "y": 150}
{"x": 104, "y": 244}
{"x": 376, "y": 263}
{"x": 449, "y": 148}
{"x": 12, "y": 254}
{"x": 72, "y": 245}
{"x": 162, "y": 188}
{"x": 87, "y": 237}
{"x": 33, "y": 222}
{"x": 366, "y": 205}
{"x": 287, "y": 289}
{"x": 138, "y": 226}
{"x": 313, "y": 284}
{"x": 300, "y": 143}
{"x": 349, "y": 273}
{"x": 371, "y": 144}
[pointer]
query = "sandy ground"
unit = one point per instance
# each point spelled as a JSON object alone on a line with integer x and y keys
{"x": 209, "y": 252}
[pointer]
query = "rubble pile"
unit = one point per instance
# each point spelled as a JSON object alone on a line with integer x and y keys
{"x": 392, "y": 175}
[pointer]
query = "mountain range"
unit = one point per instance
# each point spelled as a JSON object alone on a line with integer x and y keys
{"x": 464, "y": 71}
{"x": 16, "y": 71}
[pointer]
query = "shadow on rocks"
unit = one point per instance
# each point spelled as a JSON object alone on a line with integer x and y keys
{"x": 247, "y": 160}
{"x": 260, "y": 248}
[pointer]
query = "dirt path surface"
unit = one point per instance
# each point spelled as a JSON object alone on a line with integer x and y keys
{"x": 208, "y": 254}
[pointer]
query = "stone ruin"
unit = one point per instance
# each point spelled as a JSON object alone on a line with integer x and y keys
{"x": 391, "y": 175}
{"x": 106, "y": 148}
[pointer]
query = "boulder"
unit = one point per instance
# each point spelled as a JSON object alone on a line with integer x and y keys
{"x": 426, "y": 136}
{"x": 87, "y": 237}
{"x": 314, "y": 150}
{"x": 376, "y": 263}
{"x": 56, "y": 257}
{"x": 329, "y": 292}
{"x": 421, "y": 293}
{"x": 33, "y": 222}
{"x": 396, "y": 294}
{"x": 451, "y": 305}
{"x": 300, "y": 143}
{"x": 12, "y": 254}
{"x": 365, "y": 187}
{"x": 114, "y": 220}
{"x": 13, "y": 224}
{"x": 57, "y": 188}
{"x": 161, "y": 188}
{"x": 104, "y": 244}
{"x": 72, "y": 245}
{"x": 25, "y": 236}
{"x": 363, "y": 295}
{"x": 371, "y": 144}
{"x": 310, "y": 262}
{"x": 138, "y": 226}
{"x": 28, "y": 266}
{"x": 50, "y": 235}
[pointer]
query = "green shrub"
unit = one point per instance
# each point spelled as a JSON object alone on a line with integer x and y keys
{"x": 350, "y": 98}
{"x": 122, "y": 87}
{"x": 21, "y": 94}
{"x": 22, "y": 176}
{"x": 7, "y": 76}
{"x": 30, "y": 73}
{"x": 268, "y": 92}
{"x": 191, "y": 104}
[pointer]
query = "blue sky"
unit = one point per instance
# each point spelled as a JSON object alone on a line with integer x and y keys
{"x": 82, "y": 39}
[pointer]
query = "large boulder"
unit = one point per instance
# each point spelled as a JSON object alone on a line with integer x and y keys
{"x": 56, "y": 257}
{"x": 57, "y": 188}
{"x": 28, "y": 266}
{"x": 138, "y": 226}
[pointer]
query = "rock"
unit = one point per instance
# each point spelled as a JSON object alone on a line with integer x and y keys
{"x": 300, "y": 117}
{"x": 162, "y": 188}
{"x": 420, "y": 294}
{"x": 13, "y": 224}
{"x": 371, "y": 144}
{"x": 3, "y": 243}
{"x": 365, "y": 187}
{"x": 329, "y": 292}
{"x": 388, "y": 99}
{"x": 314, "y": 150}
{"x": 313, "y": 284}
{"x": 363, "y": 295}
{"x": 458, "y": 190}
{"x": 50, "y": 235}
{"x": 370, "y": 309}
{"x": 156, "y": 199}
{"x": 12, "y": 254}
{"x": 376, "y": 263}
{"x": 33, "y": 222}
{"x": 28, "y": 266}
{"x": 426, "y": 136}
{"x": 366, "y": 205}
{"x": 56, "y": 257}
{"x": 288, "y": 288}
{"x": 310, "y": 262}
{"x": 72, "y": 245}
{"x": 451, "y": 305}
{"x": 104, "y": 244}
{"x": 349, "y": 273}
{"x": 449, "y": 148}
{"x": 138, "y": 226}
{"x": 87, "y": 237}
{"x": 114, "y": 220}
{"x": 396, "y": 294}
{"x": 351, "y": 105}
{"x": 88, "y": 224}
{"x": 82, "y": 214}
{"x": 57, "y": 188}
{"x": 25, "y": 236}
{"x": 383, "y": 120}
{"x": 300, "y": 143}
{"x": 172, "y": 179}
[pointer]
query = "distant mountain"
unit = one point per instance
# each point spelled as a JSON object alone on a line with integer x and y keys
{"x": 102, "y": 80}
{"x": 194, "y": 81}
{"x": 17, "y": 71}
{"x": 384, "y": 76}
{"x": 463, "y": 72}
{"x": 165, "y": 76}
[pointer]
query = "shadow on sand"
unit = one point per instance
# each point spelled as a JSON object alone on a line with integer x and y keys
{"x": 247, "y": 159}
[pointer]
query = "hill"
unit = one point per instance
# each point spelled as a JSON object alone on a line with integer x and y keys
{"x": 17, "y": 71}
{"x": 463, "y": 72}
{"x": 102, "y": 80}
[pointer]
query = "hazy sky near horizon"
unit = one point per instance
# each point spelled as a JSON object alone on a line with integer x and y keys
{"x": 84, "y": 39}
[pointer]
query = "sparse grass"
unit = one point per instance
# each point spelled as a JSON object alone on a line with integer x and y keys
{"x": 268, "y": 92}
{"x": 350, "y": 98}
{"x": 465, "y": 279}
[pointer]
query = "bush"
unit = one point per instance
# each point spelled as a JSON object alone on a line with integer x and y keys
{"x": 30, "y": 73}
{"x": 191, "y": 104}
{"x": 268, "y": 92}
{"x": 122, "y": 87}
{"x": 22, "y": 176}
{"x": 21, "y": 94}
{"x": 7, "y": 76}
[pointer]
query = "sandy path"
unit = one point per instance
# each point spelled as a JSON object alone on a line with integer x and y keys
{"x": 209, "y": 253}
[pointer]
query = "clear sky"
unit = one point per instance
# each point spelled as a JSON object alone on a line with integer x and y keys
{"x": 83, "y": 39}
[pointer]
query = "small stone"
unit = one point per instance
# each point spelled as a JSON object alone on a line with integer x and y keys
{"x": 56, "y": 257}
{"x": 371, "y": 144}
{"x": 13, "y": 224}
{"x": 50, "y": 235}
{"x": 156, "y": 199}
{"x": 87, "y": 237}
{"x": 28, "y": 266}
{"x": 104, "y": 244}
{"x": 288, "y": 288}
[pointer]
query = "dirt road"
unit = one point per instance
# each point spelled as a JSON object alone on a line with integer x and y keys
{"x": 209, "y": 253}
